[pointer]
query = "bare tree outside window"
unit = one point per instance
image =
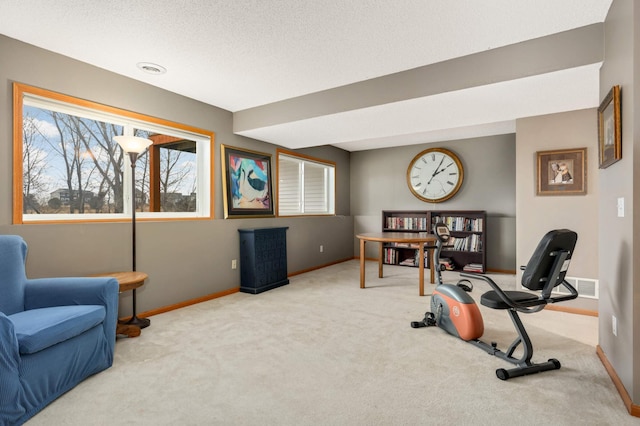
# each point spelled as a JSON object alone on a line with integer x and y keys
{"x": 70, "y": 167}
{"x": 172, "y": 186}
{"x": 83, "y": 167}
{"x": 34, "y": 166}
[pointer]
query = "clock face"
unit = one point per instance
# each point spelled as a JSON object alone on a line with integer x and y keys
{"x": 435, "y": 175}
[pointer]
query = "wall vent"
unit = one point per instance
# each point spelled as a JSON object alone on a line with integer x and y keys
{"x": 587, "y": 287}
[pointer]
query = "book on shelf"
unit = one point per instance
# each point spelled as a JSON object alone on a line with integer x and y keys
{"x": 406, "y": 223}
{"x": 390, "y": 256}
{"x": 403, "y": 245}
{"x": 448, "y": 263}
{"x": 408, "y": 262}
{"x": 472, "y": 267}
{"x": 459, "y": 223}
{"x": 470, "y": 243}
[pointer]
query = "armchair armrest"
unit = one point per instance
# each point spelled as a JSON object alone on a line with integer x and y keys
{"x": 48, "y": 292}
{"x": 12, "y": 389}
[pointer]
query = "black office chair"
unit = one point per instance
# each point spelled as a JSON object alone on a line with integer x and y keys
{"x": 546, "y": 270}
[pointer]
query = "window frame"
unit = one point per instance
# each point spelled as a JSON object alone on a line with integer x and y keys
{"x": 306, "y": 159}
{"x": 118, "y": 116}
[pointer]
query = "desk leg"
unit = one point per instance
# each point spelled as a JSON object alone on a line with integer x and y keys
{"x": 421, "y": 268}
{"x": 433, "y": 266}
{"x": 362, "y": 242}
{"x": 380, "y": 258}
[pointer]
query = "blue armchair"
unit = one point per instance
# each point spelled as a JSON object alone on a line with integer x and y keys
{"x": 54, "y": 333}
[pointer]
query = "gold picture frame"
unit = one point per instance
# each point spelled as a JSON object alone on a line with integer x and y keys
{"x": 609, "y": 129}
{"x": 562, "y": 172}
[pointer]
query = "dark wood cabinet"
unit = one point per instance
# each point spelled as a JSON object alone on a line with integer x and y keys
{"x": 263, "y": 259}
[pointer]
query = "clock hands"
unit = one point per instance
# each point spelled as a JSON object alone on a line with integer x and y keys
{"x": 439, "y": 170}
{"x": 436, "y": 171}
{"x": 444, "y": 168}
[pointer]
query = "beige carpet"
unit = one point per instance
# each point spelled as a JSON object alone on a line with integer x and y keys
{"x": 322, "y": 351}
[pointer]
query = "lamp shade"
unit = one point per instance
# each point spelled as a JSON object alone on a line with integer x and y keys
{"x": 132, "y": 143}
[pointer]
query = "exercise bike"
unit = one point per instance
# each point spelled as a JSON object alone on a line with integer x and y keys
{"x": 453, "y": 310}
{"x": 466, "y": 321}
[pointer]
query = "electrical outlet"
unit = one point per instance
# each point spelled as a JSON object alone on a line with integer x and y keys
{"x": 614, "y": 325}
{"x": 234, "y": 264}
{"x": 321, "y": 248}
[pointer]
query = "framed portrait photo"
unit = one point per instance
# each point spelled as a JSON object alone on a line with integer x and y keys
{"x": 609, "y": 129}
{"x": 246, "y": 182}
{"x": 562, "y": 172}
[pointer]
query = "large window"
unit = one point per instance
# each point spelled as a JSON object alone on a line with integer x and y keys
{"x": 68, "y": 167}
{"x": 306, "y": 186}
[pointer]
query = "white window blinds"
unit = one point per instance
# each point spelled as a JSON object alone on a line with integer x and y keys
{"x": 305, "y": 187}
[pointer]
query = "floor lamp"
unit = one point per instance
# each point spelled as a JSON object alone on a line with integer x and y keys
{"x": 134, "y": 146}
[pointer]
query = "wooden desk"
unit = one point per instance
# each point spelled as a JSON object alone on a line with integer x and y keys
{"x": 419, "y": 239}
{"x": 128, "y": 280}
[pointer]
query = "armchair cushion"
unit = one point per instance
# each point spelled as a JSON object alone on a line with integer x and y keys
{"x": 38, "y": 329}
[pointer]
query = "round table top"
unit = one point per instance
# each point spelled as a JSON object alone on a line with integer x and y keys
{"x": 128, "y": 280}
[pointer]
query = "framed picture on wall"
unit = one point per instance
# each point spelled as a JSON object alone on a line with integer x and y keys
{"x": 610, "y": 129}
{"x": 562, "y": 172}
{"x": 246, "y": 183}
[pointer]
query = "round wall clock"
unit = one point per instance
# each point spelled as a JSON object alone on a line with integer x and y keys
{"x": 435, "y": 175}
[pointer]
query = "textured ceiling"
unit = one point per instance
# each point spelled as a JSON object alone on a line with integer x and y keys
{"x": 241, "y": 54}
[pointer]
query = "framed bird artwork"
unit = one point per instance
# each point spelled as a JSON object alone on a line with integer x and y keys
{"x": 246, "y": 182}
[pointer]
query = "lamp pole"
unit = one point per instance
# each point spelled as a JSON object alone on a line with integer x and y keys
{"x": 133, "y": 156}
{"x": 134, "y": 146}
{"x": 140, "y": 322}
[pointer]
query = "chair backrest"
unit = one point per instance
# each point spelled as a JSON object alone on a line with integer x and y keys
{"x": 543, "y": 269}
{"x": 13, "y": 254}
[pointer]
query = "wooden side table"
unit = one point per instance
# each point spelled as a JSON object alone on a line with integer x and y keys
{"x": 420, "y": 238}
{"x": 129, "y": 280}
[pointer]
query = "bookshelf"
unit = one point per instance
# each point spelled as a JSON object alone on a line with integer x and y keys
{"x": 468, "y": 231}
{"x": 467, "y": 248}
{"x": 404, "y": 221}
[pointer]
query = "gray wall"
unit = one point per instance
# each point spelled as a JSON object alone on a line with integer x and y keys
{"x": 618, "y": 260}
{"x": 184, "y": 259}
{"x": 539, "y": 214}
{"x": 378, "y": 182}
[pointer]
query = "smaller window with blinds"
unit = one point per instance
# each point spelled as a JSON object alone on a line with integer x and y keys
{"x": 306, "y": 185}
